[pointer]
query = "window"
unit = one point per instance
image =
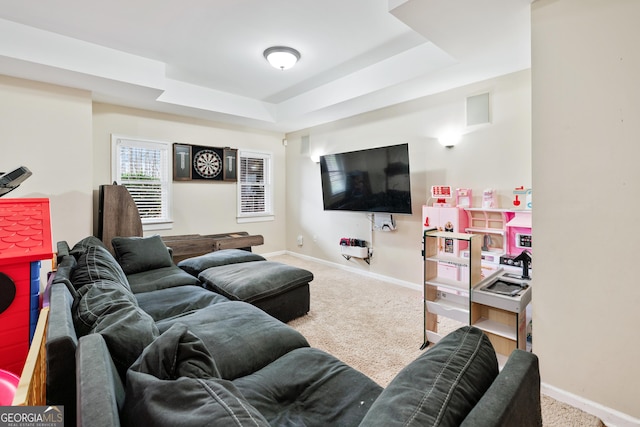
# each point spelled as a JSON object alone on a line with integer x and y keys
{"x": 143, "y": 167}
{"x": 255, "y": 191}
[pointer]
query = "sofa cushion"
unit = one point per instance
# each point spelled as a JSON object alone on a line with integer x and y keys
{"x": 88, "y": 242}
{"x": 61, "y": 347}
{"x": 170, "y": 302}
{"x": 94, "y": 264}
{"x": 160, "y": 278}
{"x": 136, "y": 254}
{"x": 100, "y": 394}
{"x": 308, "y": 387}
{"x": 105, "y": 307}
{"x": 200, "y": 263}
{"x": 240, "y": 337}
{"x": 441, "y": 386}
{"x": 175, "y": 382}
{"x": 253, "y": 281}
{"x": 513, "y": 398}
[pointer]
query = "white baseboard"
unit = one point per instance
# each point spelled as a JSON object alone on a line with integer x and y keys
{"x": 380, "y": 277}
{"x": 272, "y": 254}
{"x": 610, "y": 417}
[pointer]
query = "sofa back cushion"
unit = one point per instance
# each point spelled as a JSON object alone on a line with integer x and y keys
{"x": 100, "y": 388}
{"x": 240, "y": 337}
{"x": 107, "y": 308}
{"x": 84, "y": 244}
{"x": 137, "y": 254}
{"x": 96, "y": 263}
{"x": 61, "y": 347}
{"x": 441, "y": 386}
{"x": 175, "y": 382}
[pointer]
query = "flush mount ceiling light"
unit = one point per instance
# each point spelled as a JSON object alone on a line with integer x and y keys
{"x": 282, "y": 57}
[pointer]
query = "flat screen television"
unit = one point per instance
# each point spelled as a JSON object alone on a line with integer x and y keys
{"x": 372, "y": 180}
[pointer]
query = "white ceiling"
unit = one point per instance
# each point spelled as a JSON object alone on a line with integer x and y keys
{"x": 203, "y": 58}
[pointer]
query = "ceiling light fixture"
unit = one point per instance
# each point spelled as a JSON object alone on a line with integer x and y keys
{"x": 282, "y": 57}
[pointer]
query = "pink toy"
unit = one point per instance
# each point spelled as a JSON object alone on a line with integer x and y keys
{"x": 8, "y": 386}
{"x": 489, "y": 198}
{"x": 463, "y": 197}
{"x": 441, "y": 193}
{"x": 519, "y": 233}
{"x": 519, "y": 194}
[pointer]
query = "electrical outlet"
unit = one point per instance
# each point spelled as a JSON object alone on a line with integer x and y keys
{"x": 300, "y": 240}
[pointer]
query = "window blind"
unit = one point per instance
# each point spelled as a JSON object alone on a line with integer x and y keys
{"x": 143, "y": 167}
{"x": 254, "y": 184}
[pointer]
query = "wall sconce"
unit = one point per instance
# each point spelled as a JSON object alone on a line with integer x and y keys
{"x": 450, "y": 139}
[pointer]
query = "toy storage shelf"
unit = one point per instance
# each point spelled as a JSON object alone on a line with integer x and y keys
{"x": 448, "y": 278}
{"x": 487, "y": 219}
{"x": 491, "y": 223}
{"x": 501, "y": 317}
{"x": 450, "y": 305}
{"x": 505, "y": 329}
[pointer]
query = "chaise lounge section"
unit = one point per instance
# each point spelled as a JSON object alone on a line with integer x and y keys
{"x": 279, "y": 289}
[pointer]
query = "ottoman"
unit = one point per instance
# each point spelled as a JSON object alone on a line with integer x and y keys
{"x": 279, "y": 289}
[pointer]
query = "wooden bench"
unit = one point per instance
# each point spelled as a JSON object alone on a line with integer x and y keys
{"x": 190, "y": 245}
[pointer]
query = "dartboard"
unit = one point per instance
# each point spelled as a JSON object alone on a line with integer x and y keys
{"x": 207, "y": 163}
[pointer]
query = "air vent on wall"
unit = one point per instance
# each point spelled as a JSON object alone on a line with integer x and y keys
{"x": 478, "y": 112}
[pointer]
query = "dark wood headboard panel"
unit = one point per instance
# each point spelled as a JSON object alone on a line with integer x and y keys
{"x": 117, "y": 214}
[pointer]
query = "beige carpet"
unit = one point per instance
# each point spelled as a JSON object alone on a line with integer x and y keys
{"x": 374, "y": 326}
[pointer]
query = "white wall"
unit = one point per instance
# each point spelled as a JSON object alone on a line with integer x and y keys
{"x": 198, "y": 207}
{"x": 586, "y": 125}
{"x": 493, "y": 156}
{"x": 48, "y": 129}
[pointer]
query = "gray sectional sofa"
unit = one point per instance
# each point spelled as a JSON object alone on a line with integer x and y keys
{"x": 180, "y": 354}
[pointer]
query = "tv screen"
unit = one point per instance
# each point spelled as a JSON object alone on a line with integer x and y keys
{"x": 373, "y": 180}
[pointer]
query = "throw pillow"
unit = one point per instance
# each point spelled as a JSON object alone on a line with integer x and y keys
{"x": 105, "y": 307}
{"x": 96, "y": 263}
{"x": 198, "y": 264}
{"x": 137, "y": 254}
{"x": 441, "y": 386}
{"x": 174, "y": 382}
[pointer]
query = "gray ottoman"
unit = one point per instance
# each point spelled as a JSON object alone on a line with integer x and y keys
{"x": 280, "y": 290}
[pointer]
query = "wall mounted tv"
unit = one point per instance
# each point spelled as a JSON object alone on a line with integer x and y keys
{"x": 372, "y": 180}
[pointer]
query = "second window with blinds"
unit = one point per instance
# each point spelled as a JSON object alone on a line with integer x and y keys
{"x": 255, "y": 188}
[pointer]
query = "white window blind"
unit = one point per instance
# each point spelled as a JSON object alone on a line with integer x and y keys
{"x": 143, "y": 167}
{"x": 254, "y": 186}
